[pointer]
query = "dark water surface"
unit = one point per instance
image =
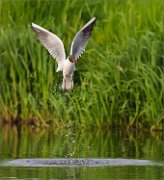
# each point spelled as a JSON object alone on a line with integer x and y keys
{"x": 29, "y": 153}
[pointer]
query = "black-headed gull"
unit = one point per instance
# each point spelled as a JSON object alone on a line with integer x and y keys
{"x": 56, "y": 48}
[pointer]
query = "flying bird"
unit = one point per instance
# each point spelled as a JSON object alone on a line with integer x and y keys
{"x": 56, "y": 48}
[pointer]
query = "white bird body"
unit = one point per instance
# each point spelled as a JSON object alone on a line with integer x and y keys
{"x": 68, "y": 70}
{"x": 56, "y": 48}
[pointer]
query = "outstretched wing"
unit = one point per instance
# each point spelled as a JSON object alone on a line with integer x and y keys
{"x": 80, "y": 40}
{"x": 52, "y": 43}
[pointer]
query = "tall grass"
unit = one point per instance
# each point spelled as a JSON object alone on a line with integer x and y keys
{"x": 119, "y": 80}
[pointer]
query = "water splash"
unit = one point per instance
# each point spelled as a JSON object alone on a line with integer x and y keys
{"x": 93, "y": 162}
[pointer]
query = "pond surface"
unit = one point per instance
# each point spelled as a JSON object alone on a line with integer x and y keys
{"x": 29, "y": 153}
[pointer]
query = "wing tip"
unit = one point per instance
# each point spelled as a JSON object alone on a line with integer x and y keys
{"x": 33, "y": 25}
{"x": 90, "y": 23}
{"x": 94, "y": 18}
{"x": 37, "y": 28}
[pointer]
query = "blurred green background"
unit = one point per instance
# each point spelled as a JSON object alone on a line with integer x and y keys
{"x": 119, "y": 78}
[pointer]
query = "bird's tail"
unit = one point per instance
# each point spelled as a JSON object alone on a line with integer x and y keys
{"x": 67, "y": 84}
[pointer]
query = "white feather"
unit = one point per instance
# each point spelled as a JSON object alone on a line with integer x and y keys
{"x": 55, "y": 47}
{"x": 53, "y": 44}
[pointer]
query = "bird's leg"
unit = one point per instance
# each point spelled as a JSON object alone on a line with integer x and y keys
{"x": 64, "y": 84}
{"x": 71, "y": 86}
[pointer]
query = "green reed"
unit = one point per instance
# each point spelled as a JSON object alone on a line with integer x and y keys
{"x": 119, "y": 79}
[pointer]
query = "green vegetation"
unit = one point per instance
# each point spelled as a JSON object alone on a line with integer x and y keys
{"x": 119, "y": 81}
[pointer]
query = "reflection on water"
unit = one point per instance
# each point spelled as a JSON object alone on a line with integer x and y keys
{"x": 69, "y": 143}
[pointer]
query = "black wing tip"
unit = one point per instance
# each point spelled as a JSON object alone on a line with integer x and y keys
{"x": 89, "y": 26}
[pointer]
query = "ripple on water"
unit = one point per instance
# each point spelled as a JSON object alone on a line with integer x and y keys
{"x": 39, "y": 162}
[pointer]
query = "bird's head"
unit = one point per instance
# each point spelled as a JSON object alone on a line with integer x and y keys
{"x": 72, "y": 59}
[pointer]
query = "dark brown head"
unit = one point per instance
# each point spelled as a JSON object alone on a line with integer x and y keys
{"x": 72, "y": 59}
